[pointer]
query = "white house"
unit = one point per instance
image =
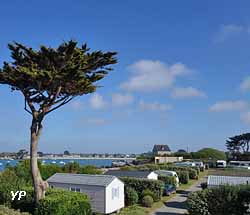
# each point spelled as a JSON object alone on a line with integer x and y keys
{"x": 106, "y": 192}
{"x": 133, "y": 174}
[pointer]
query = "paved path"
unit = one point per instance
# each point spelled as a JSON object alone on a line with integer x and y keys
{"x": 177, "y": 204}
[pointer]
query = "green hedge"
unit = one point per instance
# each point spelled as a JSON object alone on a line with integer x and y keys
{"x": 168, "y": 180}
{"x": 131, "y": 196}
{"x": 56, "y": 202}
{"x": 233, "y": 200}
{"x": 139, "y": 185}
{"x": 7, "y": 211}
{"x": 183, "y": 176}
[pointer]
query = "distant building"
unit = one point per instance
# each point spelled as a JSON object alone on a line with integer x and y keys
{"x": 165, "y": 159}
{"x": 217, "y": 180}
{"x": 161, "y": 150}
{"x": 106, "y": 192}
{"x": 133, "y": 174}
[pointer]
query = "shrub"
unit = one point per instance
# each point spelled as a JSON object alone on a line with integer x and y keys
{"x": 26, "y": 203}
{"x": 147, "y": 201}
{"x": 183, "y": 177}
{"x": 234, "y": 200}
{"x": 59, "y": 202}
{"x": 148, "y": 192}
{"x": 56, "y": 202}
{"x": 193, "y": 173}
{"x": 168, "y": 180}
{"x": 7, "y": 211}
{"x": 131, "y": 196}
{"x": 204, "y": 185}
{"x": 8, "y": 182}
{"x": 197, "y": 203}
{"x": 139, "y": 185}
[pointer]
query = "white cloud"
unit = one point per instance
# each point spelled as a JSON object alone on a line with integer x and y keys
{"x": 97, "y": 101}
{"x": 120, "y": 99}
{"x": 187, "y": 92}
{"x": 228, "y": 106}
{"x": 155, "y": 106}
{"x": 245, "y": 117}
{"x": 227, "y": 31}
{"x": 76, "y": 105}
{"x": 148, "y": 75}
{"x": 245, "y": 84}
{"x": 93, "y": 121}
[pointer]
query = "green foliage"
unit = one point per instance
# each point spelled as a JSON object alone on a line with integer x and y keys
{"x": 25, "y": 204}
{"x": 197, "y": 203}
{"x": 7, "y": 211}
{"x": 209, "y": 153}
{"x": 139, "y": 185}
{"x": 131, "y": 196}
{"x": 147, "y": 201}
{"x": 48, "y": 76}
{"x": 168, "y": 180}
{"x": 9, "y": 181}
{"x": 192, "y": 171}
{"x": 233, "y": 200}
{"x": 183, "y": 176}
{"x": 58, "y": 202}
{"x": 22, "y": 170}
{"x": 148, "y": 192}
{"x": 90, "y": 170}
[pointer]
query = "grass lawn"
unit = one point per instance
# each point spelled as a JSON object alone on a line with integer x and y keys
{"x": 139, "y": 210}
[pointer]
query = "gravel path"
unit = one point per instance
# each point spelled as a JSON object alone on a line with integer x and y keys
{"x": 177, "y": 204}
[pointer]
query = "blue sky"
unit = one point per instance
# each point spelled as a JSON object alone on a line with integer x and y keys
{"x": 182, "y": 78}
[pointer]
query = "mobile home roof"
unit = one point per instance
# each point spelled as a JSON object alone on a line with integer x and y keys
{"x": 81, "y": 179}
{"x": 214, "y": 180}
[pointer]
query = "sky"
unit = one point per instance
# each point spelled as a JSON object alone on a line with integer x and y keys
{"x": 182, "y": 77}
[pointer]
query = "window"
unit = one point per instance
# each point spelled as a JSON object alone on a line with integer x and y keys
{"x": 75, "y": 189}
{"x": 115, "y": 192}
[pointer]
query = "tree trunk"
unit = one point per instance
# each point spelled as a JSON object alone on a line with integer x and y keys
{"x": 39, "y": 185}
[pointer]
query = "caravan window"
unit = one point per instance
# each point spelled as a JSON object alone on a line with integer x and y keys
{"x": 115, "y": 192}
{"x": 75, "y": 189}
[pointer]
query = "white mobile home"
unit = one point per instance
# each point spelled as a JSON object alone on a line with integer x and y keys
{"x": 217, "y": 180}
{"x": 106, "y": 192}
{"x": 221, "y": 164}
{"x": 133, "y": 174}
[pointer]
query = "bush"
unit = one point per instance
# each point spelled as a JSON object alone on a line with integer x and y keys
{"x": 139, "y": 185}
{"x": 58, "y": 202}
{"x": 7, "y": 211}
{"x": 197, "y": 203}
{"x": 204, "y": 185}
{"x": 148, "y": 192}
{"x": 168, "y": 180}
{"x": 131, "y": 196}
{"x": 25, "y": 204}
{"x": 233, "y": 200}
{"x": 183, "y": 177}
{"x": 8, "y": 182}
{"x": 193, "y": 173}
{"x": 147, "y": 201}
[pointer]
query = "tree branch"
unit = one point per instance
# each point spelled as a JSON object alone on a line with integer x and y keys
{"x": 25, "y": 107}
{"x": 61, "y": 104}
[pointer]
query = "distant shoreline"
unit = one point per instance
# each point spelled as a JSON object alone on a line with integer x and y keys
{"x": 82, "y": 158}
